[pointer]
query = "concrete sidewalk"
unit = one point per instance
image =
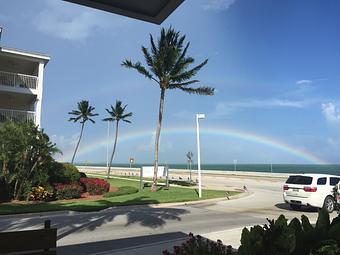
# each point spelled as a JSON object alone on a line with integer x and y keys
{"x": 151, "y": 245}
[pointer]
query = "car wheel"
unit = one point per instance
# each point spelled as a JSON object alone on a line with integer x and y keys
{"x": 329, "y": 204}
{"x": 295, "y": 207}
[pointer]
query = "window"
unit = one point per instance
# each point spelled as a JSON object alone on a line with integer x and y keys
{"x": 299, "y": 179}
{"x": 322, "y": 181}
{"x": 334, "y": 181}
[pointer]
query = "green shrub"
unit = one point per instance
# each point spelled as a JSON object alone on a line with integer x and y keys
{"x": 68, "y": 191}
{"x": 124, "y": 190}
{"x": 63, "y": 173}
{"x": 295, "y": 238}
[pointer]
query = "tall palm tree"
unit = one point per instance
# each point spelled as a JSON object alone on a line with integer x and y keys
{"x": 83, "y": 113}
{"x": 117, "y": 114}
{"x": 168, "y": 66}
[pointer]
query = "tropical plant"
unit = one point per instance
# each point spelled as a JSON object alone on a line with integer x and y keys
{"x": 296, "y": 238}
{"x": 25, "y": 153}
{"x": 168, "y": 66}
{"x": 82, "y": 114}
{"x": 117, "y": 114}
{"x": 63, "y": 173}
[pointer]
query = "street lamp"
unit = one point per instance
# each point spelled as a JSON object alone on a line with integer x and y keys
{"x": 235, "y": 164}
{"x": 107, "y": 145}
{"x": 198, "y": 117}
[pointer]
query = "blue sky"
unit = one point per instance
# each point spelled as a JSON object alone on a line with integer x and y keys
{"x": 275, "y": 66}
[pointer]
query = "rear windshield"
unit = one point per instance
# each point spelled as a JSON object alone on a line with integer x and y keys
{"x": 298, "y": 179}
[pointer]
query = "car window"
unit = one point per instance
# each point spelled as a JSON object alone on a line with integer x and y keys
{"x": 322, "y": 181}
{"x": 334, "y": 181}
{"x": 299, "y": 179}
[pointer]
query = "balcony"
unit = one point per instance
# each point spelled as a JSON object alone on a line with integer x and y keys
{"x": 16, "y": 115}
{"x": 18, "y": 80}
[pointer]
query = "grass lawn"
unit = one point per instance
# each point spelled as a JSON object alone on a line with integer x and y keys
{"x": 174, "y": 194}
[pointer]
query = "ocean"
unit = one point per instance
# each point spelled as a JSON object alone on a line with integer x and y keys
{"x": 275, "y": 168}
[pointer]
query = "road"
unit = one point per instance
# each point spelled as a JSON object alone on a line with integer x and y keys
{"x": 138, "y": 225}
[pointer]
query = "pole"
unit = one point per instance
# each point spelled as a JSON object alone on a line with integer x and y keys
{"x": 107, "y": 145}
{"x": 198, "y": 159}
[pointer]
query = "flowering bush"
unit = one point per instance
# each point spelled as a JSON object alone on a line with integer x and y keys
{"x": 95, "y": 186}
{"x": 68, "y": 191}
{"x": 39, "y": 194}
{"x": 200, "y": 245}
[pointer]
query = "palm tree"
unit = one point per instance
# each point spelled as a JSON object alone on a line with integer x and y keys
{"x": 83, "y": 113}
{"x": 168, "y": 66}
{"x": 117, "y": 114}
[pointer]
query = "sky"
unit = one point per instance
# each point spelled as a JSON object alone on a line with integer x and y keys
{"x": 275, "y": 67}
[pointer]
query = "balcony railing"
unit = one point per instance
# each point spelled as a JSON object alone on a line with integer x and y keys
{"x": 16, "y": 115}
{"x": 18, "y": 80}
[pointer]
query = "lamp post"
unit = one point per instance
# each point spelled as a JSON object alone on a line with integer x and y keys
{"x": 198, "y": 117}
{"x": 107, "y": 145}
{"x": 235, "y": 164}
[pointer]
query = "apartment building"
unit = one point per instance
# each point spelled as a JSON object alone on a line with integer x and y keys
{"x": 21, "y": 85}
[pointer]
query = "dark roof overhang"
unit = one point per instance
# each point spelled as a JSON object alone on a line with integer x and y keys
{"x": 154, "y": 11}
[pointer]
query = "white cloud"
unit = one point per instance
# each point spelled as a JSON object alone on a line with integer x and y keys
{"x": 331, "y": 112}
{"x": 72, "y": 22}
{"x": 226, "y": 108}
{"x": 304, "y": 82}
{"x": 269, "y": 103}
{"x": 217, "y": 5}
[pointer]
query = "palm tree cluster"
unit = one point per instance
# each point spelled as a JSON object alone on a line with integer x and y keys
{"x": 84, "y": 113}
{"x": 168, "y": 65}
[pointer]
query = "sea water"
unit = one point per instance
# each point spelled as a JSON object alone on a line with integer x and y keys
{"x": 275, "y": 168}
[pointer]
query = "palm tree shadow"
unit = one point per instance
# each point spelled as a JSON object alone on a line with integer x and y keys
{"x": 145, "y": 215}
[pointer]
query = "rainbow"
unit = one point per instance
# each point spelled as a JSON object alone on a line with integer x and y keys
{"x": 215, "y": 131}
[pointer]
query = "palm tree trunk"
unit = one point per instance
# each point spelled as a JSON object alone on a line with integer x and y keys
{"x": 81, "y": 134}
{"x": 158, "y": 132}
{"x": 113, "y": 151}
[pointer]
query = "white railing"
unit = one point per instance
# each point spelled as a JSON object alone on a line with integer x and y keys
{"x": 18, "y": 80}
{"x": 16, "y": 115}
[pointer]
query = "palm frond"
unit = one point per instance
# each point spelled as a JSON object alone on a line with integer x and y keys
{"x": 138, "y": 67}
{"x": 188, "y": 74}
{"x": 207, "y": 91}
{"x": 183, "y": 84}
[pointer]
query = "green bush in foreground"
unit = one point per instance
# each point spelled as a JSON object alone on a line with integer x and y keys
{"x": 276, "y": 238}
{"x": 295, "y": 238}
{"x": 124, "y": 190}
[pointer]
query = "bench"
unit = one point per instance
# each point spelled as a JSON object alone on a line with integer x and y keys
{"x": 30, "y": 242}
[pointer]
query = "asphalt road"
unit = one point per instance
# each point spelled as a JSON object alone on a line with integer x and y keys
{"x": 145, "y": 224}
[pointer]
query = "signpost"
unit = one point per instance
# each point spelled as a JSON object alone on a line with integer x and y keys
{"x": 189, "y": 156}
{"x": 147, "y": 171}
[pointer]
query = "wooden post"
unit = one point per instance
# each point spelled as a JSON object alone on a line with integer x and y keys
{"x": 47, "y": 224}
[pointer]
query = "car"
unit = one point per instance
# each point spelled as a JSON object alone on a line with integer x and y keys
{"x": 314, "y": 190}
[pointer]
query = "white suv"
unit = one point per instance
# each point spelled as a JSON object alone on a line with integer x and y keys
{"x": 314, "y": 190}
